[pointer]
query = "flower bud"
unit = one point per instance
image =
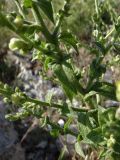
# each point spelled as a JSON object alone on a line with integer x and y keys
{"x": 111, "y": 141}
{"x": 18, "y": 98}
{"x": 6, "y": 87}
{"x": 18, "y": 21}
{"x": 6, "y": 100}
{"x": 16, "y": 44}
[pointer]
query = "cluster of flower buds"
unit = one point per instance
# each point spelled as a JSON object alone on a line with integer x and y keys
{"x": 18, "y": 44}
{"x": 5, "y": 91}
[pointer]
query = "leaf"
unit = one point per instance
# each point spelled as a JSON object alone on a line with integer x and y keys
{"x": 105, "y": 89}
{"x": 62, "y": 153}
{"x": 5, "y": 23}
{"x": 29, "y": 29}
{"x": 74, "y": 83}
{"x": 44, "y": 121}
{"x": 96, "y": 136}
{"x": 54, "y": 133}
{"x": 78, "y": 149}
{"x": 68, "y": 38}
{"x": 68, "y": 92}
{"x": 117, "y": 46}
{"x": 91, "y": 93}
{"x": 100, "y": 47}
{"x": 46, "y": 7}
{"x": 27, "y": 3}
{"x": 101, "y": 117}
{"x": 102, "y": 154}
{"x": 68, "y": 87}
{"x": 67, "y": 69}
{"x": 84, "y": 124}
{"x": 48, "y": 97}
{"x": 37, "y": 55}
{"x": 46, "y": 63}
{"x": 67, "y": 124}
{"x": 106, "y": 115}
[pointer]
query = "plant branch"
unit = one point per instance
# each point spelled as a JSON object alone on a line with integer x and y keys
{"x": 9, "y": 93}
{"x": 109, "y": 34}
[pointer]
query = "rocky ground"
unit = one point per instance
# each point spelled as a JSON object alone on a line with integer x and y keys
{"x": 25, "y": 139}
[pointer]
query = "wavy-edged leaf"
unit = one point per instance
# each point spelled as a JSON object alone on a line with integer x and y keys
{"x": 100, "y": 47}
{"x": 68, "y": 38}
{"x": 29, "y": 29}
{"x": 78, "y": 149}
{"x": 46, "y": 7}
{"x": 84, "y": 124}
{"x": 27, "y": 3}
{"x": 90, "y": 94}
{"x": 67, "y": 124}
{"x": 105, "y": 89}
{"x": 96, "y": 136}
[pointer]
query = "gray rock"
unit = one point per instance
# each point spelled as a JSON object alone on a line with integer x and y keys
{"x": 70, "y": 139}
{"x": 42, "y": 144}
{"x": 8, "y": 135}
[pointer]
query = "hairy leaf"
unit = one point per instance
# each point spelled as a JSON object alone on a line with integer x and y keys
{"x": 46, "y": 7}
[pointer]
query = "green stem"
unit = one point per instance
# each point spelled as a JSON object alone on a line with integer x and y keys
{"x": 20, "y": 8}
{"x": 109, "y": 34}
{"x": 5, "y": 93}
{"x": 54, "y": 105}
{"x": 96, "y": 6}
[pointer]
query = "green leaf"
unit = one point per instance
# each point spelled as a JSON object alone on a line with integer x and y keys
{"x": 46, "y": 63}
{"x": 68, "y": 87}
{"x": 46, "y": 7}
{"x": 74, "y": 83}
{"x": 37, "y": 55}
{"x": 27, "y": 3}
{"x": 96, "y": 136}
{"x": 101, "y": 47}
{"x": 5, "y": 23}
{"x": 68, "y": 38}
{"x": 54, "y": 133}
{"x": 106, "y": 115}
{"x": 67, "y": 69}
{"x": 84, "y": 124}
{"x": 48, "y": 97}
{"x": 62, "y": 153}
{"x": 29, "y": 29}
{"x": 90, "y": 94}
{"x": 67, "y": 124}
{"x": 105, "y": 89}
{"x": 101, "y": 117}
{"x": 79, "y": 150}
{"x": 68, "y": 92}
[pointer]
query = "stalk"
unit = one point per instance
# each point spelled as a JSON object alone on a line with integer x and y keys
{"x": 96, "y": 6}
{"x": 20, "y": 8}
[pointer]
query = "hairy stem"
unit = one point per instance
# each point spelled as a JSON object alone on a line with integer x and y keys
{"x": 20, "y": 8}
